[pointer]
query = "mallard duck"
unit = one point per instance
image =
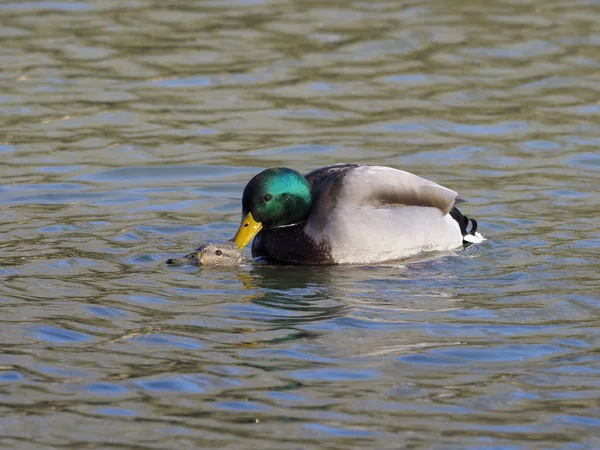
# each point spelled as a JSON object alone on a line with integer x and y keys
{"x": 212, "y": 254}
{"x": 349, "y": 214}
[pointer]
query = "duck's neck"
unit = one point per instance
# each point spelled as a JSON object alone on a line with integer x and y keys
{"x": 289, "y": 225}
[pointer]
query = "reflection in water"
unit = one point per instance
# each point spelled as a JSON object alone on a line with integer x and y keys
{"x": 291, "y": 295}
{"x": 130, "y": 130}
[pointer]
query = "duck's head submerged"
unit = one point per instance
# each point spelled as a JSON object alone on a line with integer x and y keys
{"x": 274, "y": 198}
{"x": 212, "y": 254}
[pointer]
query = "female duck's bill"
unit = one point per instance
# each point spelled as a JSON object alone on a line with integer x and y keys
{"x": 212, "y": 254}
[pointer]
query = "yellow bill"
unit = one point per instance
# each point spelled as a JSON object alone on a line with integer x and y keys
{"x": 247, "y": 230}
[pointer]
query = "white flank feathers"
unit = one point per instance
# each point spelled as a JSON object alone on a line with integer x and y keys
{"x": 384, "y": 214}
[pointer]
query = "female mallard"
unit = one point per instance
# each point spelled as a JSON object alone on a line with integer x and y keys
{"x": 212, "y": 254}
{"x": 349, "y": 213}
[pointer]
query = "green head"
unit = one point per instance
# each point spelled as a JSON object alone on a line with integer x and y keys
{"x": 277, "y": 197}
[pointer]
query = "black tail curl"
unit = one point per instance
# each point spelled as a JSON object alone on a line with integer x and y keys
{"x": 463, "y": 223}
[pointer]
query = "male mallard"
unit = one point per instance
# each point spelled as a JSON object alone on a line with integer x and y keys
{"x": 349, "y": 213}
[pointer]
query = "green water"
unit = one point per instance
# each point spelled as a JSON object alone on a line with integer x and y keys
{"x": 129, "y": 130}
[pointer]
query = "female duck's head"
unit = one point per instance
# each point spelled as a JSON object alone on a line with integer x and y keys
{"x": 274, "y": 198}
{"x": 212, "y": 254}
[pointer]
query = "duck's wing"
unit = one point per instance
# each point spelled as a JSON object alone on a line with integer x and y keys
{"x": 380, "y": 186}
{"x": 376, "y": 186}
{"x": 329, "y": 176}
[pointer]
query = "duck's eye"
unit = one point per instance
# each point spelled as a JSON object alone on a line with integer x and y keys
{"x": 268, "y": 197}
{"x": 218, "y": 253}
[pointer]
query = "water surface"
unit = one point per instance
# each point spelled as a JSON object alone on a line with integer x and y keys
{"x": 129, "y": 131}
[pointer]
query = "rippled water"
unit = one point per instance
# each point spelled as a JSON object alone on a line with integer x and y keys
{"x": 129, "y": 131}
